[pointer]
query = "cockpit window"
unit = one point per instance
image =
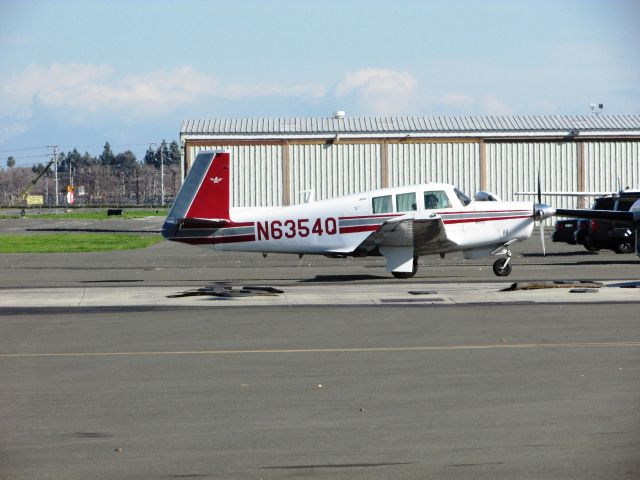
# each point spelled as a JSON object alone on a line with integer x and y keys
{"x": 462, "y": 197}
{"x": 406, "y": 202}
{"x": 436, "y": 199}
{"x": 382, "y": 204}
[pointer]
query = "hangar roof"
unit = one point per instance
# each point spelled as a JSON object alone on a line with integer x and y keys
{"x": 606, "y": 125}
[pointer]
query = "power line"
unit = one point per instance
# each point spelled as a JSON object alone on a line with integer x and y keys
{"x": 22, "y": 149}
{"x": 66, "y": 147}
{"x": 112, "y": 145}
{"x": 33, "y": 156}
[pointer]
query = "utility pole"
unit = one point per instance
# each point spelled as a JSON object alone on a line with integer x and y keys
{"x": 162, "y": 174}
{"x": 137, "y": 186}
{"x": 55, "y": 168}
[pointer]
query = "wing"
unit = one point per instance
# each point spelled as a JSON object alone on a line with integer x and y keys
{"x": 430, "y": 236}
{"x": 426, "y": 236}
{"x": 602, "y": 214}
{"x": 567, "y": 194}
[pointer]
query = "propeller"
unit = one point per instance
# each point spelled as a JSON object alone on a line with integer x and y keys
{"x": 540, "y": 212}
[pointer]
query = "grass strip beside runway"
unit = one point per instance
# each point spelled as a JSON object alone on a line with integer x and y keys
{"x": 75, "y": 242}
{"x": 89, "y": 215}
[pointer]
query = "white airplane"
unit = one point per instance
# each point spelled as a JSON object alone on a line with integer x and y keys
{"x": 399, "y": 223}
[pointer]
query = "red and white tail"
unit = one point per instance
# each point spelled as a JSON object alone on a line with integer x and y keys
{"x": 203, "y": 199}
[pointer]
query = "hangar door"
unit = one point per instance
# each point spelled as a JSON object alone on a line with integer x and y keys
{"x": 457, "y": 163}
{"x": 256, "y": 173}
{"x": 513, "y": 167}
{"x": 611, "y": 165}
{"x": 333, "y": 170}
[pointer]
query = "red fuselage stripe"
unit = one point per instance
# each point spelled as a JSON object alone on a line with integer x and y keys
{"x": 239, "y": 224}
{"x": 361, "y": 228}
{"x": 488, "y": 219}
{"x": 370, "y": 216}
{"x": 482, "y": 211}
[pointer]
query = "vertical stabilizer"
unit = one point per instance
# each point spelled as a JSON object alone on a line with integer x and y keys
{"x": 204, "y": 194}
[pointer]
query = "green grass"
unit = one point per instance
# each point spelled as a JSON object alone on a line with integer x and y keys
{"x": 74, "y": 242}
{"x": 80, "y": 215}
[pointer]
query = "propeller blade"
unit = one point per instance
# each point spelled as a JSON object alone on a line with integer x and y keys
{"x": 544, "y": 250}
{"x": 539, "y": 188}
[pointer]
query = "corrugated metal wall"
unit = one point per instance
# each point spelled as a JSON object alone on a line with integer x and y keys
{"x": 606, "y": 162}
{"x": 334, "y": 170}
{"x": 257, "y": 173}
{"x": 454, "y": 163}
{"x": 513, "y": 167}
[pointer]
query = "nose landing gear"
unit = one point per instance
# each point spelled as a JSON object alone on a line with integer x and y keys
{"x": 502, "y": 266}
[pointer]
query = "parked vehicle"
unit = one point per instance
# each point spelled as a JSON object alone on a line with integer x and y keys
{"x": 610, "y": 234}
{"x": 581, "y": 233}
{"x": 575, "y": 230}
{"x": 565, "y": 231}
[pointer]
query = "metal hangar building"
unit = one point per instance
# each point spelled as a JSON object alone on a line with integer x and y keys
{"x": 275, "y": 160}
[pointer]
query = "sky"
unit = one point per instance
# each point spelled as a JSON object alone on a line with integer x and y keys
{"x": 80, "y": 73}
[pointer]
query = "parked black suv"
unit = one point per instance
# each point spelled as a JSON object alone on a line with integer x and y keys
{"x": 581, "y": 233}
{"x": 575, "y": 230}
{"x": 609, "y": 234}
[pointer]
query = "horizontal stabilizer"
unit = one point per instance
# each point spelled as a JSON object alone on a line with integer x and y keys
{"x": 201, "y": 222}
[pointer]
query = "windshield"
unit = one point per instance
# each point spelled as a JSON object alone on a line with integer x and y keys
{"x": 462, "y": 197}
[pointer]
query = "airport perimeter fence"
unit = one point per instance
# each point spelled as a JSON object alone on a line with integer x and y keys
{"x": 98, "y": 186}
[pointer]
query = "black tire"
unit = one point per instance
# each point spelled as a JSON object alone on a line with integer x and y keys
{"x": 403, "y": 275}
{"x": 623, "y": 247}
{"x": 500, "y": 269}
{"x": 589, "y": 246}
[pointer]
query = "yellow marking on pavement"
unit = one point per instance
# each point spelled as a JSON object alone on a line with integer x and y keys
{"x": 333, "y": 350}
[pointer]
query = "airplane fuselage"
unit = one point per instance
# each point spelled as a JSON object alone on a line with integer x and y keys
{"x": 337, "y": 226}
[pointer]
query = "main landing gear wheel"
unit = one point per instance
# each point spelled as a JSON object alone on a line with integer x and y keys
{"x": 410, "y": 274}
{"x": 502, "y": 267}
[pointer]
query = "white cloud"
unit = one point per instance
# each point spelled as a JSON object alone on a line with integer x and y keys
{"x": 93, "y": 88}
{"x": 89, "y": 90}
{"x": 38, "y": 83}
{"x": 455, "y": 100}
{"x": 492, "y": 105}
{"x": 238, "y": 91}
{"x": 382, "y": 91}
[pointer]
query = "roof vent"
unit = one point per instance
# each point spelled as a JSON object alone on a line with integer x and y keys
{"x": 338, "y": 114}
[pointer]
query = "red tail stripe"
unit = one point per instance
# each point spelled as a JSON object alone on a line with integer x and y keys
{"x": 212, "y": 198}
{"x": 216, "y": 240}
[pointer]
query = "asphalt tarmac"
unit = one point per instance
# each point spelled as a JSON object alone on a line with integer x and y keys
{"x": 388, "y": 390}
